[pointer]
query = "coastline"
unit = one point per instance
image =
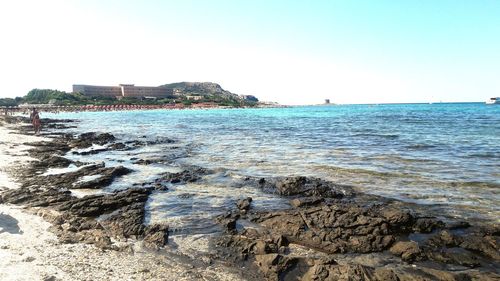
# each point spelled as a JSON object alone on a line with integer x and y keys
{"x": 29, "y": 250}
{"x": 292, "y": 242}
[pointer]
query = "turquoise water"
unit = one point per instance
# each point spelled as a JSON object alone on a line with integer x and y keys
{"x": 443, "y": 155}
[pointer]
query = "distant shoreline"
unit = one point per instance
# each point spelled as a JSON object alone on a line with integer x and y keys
{"x": 102, "y": 108}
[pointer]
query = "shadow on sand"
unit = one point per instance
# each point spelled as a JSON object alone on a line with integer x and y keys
{"x": 9, "y": 224}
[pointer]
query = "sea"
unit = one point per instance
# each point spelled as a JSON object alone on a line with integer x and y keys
{"x": 443, "y": 156}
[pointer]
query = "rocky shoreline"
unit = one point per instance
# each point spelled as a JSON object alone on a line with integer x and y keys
{"x": 330, "y": 231}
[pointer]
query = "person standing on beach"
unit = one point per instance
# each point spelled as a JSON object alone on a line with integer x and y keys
{"x": 35, "y": 120}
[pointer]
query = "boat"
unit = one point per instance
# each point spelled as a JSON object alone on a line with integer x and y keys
{"x": 493, "y": 101}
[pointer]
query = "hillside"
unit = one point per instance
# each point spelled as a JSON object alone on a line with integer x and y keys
{"x": 207, "y": 90}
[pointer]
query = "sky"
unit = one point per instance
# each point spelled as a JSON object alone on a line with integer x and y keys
{"x": 291, "y": 52}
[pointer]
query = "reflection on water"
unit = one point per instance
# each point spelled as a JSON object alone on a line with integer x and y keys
{"x": 193, "y": 206}
{"x": 447, "y": 154}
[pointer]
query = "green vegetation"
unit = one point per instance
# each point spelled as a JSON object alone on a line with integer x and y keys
{"x": 8, "y": 102}
{"x": 45, "y": 96}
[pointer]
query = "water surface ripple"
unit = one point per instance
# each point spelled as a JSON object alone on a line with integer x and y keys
{"x": 445, "y": 155}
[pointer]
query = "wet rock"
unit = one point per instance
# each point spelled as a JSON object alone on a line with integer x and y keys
{"x": 305, "y": 186}
{"x": 86, "y": 140}
{"x": 444, "y": 239}
{"x": 305, "y": 201}
{"x": 53, "y": 161}
{"x": 489, "y": 230}
{"x": 457, "y": 225}
{"x": 71, "y": 180}
{"x": 127, "y": 222}
{"x": 188, "y": 175}
{"x": 244, "y": 204}
{"x": 156, "y": 236}
{"x": 426, "y": 225}
{"x": 454, "y": 256}
{"x": 160, "y": 140}
{"x": 160, "y": 187}
{"x": 333, "y": 228}
{"x": 143, "y": 162}
{"x": 227, "y": 223}
{"x": 486, "y": 245}
{"x": 36, "y": 197}
{"x": 95, "y": 205}
{"x": 408, "y": 251}
{"x": 106, "y": 177}
{"x": 45, "y": 149}
{"x": 117, "y": 146}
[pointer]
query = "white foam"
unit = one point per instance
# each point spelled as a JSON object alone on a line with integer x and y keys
{"x": 57, "y": 171}
{"x": 84, "y": 192}
{"x": 87, "y": 179}
{"x": 88, "y": 149}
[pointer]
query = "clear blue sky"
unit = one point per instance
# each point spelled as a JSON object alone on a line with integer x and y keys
{"x": 293, "y": 52}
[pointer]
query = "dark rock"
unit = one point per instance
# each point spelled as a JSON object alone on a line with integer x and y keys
{"x": 408, "y": 251}
{"x": 36, "y": 197}
{"x": 71, "y": 180}
{"x": 309, "y": 187}
{"x": 397, "y": 217}
{"x": 95, "y": 205}
{"x": 305, "y": 201}
{"x": 444, "y": 239}
{"x": 426, "y": 225}
{"x": 228, "y": 221}
{"x": 54, "y": 161}
{"x": 486, "y": 245}
{"x": 160, "y": 187}
{"x": 156, "y": 235}
{"x": 228, "y": 224}
{"x": 457, "y": 225}
{"x": 244, "y": 204}
{"x": 189, "y": 175}
{"x": 143, "y": 162}
{"x": 334, "y": 228}
{"x": 127, "y": 221}
{"x": 454, "y": 256}
{"x": 117, "y": 146}
{"x": 106, "y": 177}
{"x": 86, "y": 140}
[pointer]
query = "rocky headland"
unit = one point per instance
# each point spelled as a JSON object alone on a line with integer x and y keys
{"x": 328, "y": 232}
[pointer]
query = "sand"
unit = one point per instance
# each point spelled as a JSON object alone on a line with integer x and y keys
{"x": 29, "y": 251}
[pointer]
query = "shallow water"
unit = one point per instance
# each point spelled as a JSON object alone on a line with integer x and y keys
{"x": 445, "y": 155}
